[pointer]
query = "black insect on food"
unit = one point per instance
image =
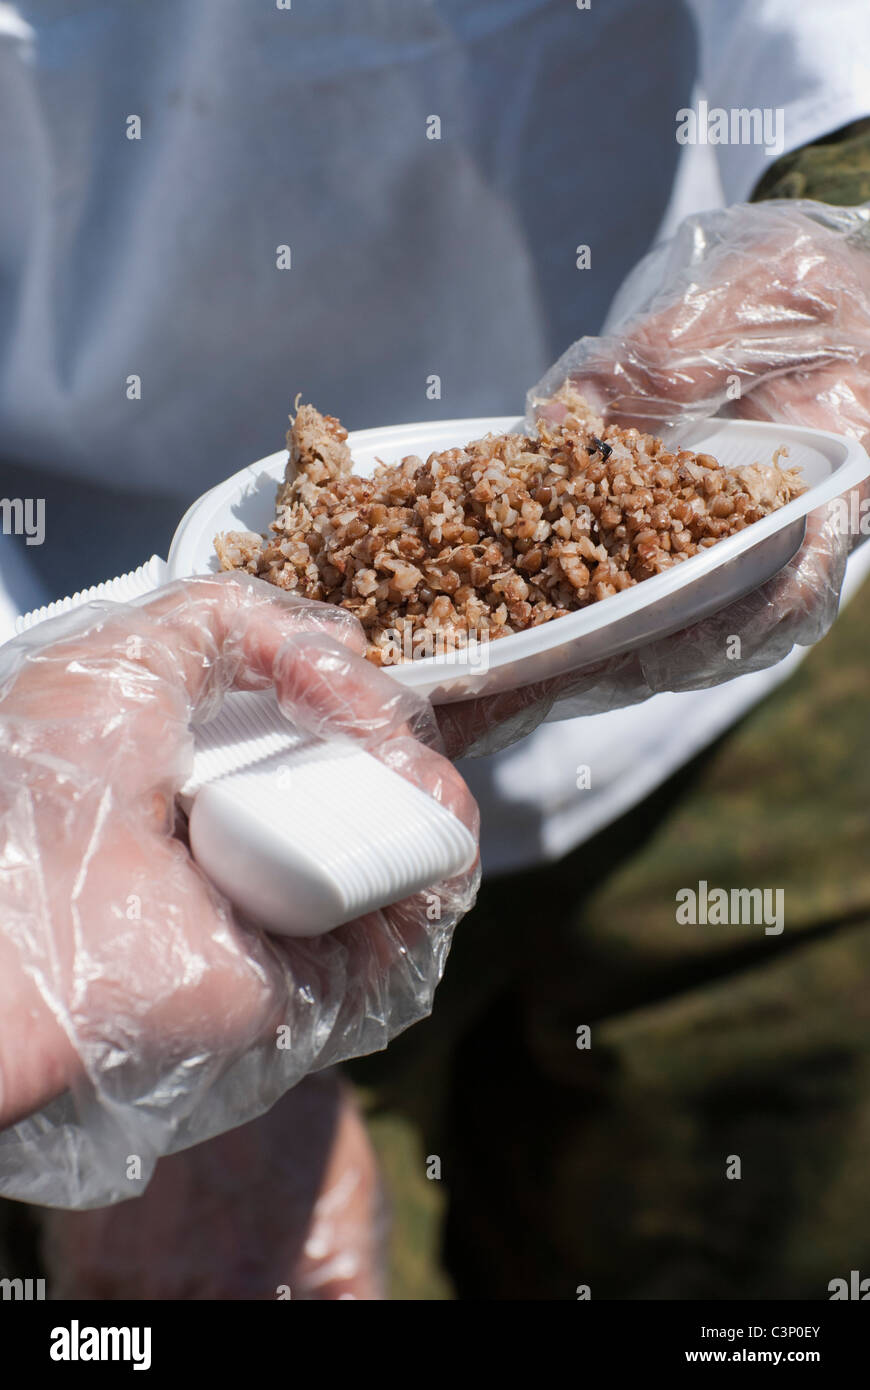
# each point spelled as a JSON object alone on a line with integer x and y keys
{"x": 599, "y": 446}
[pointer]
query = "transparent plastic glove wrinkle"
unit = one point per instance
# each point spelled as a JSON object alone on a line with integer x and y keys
{"x": 759, "y": 311}
{"x": 138, "y": 1013}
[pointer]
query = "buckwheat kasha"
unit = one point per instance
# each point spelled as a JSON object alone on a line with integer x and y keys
{"x": 503, "y": 534}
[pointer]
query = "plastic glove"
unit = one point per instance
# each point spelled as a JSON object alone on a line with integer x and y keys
{"x": 288, "y": 1206}
{"x": 138, "y": 1014}
{"x": 761, "y": 311}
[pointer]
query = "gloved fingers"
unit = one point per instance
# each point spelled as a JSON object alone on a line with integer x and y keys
{"x": 174, "y": 657}
{"x": 763, "y": 311}
{"x": 329, "y": 692}
{"x": 113, "y": 696}
{"x": 433, "y": 774}
{"x": 182, "y": 633}
{"x": 749, "y": 293}
{"x": 477, "y": 727}
{"x": 825, "y": 398}
{"x": 473, "y": 727}
{"x": 375, "y": 976}
{"x": 326, "y": 688}
{"x": 652, "y": 382}
{"x": 225, "y": 631}
{"x": 311, "y": 651}
{"x": 412, "y": 935}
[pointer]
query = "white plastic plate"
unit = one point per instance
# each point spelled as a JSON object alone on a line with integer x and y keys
{"x": 830, "y": 463}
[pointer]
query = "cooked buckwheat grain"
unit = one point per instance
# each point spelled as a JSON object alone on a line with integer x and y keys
{"x": 500, "y": 535}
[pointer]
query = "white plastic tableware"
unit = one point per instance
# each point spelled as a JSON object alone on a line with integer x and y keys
{"x": 305, "y": 835}
{"x": 692, "y": 590}
{"x": 302, "y": 834}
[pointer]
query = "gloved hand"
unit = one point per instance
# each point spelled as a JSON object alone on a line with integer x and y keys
{"x": 761, "y": 311}
{"x": 138, "y": 1014}
{"x": 288, "y": 1206}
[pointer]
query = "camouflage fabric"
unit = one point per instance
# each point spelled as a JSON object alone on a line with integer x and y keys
{"x": 834, "y": 170}
{"x": 607, "y": 1165}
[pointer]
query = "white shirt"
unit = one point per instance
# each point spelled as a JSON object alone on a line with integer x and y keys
{"x": 261, "y": 128}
